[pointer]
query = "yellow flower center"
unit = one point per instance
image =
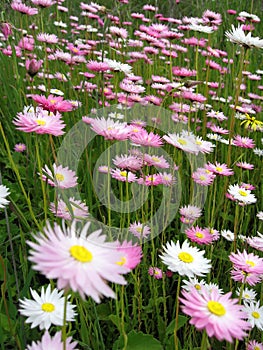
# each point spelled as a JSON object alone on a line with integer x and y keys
{"x": 251, "y": 263}
{"x": 246, "y": 296}
{"x": 139, "y": 229}
{"x": 52, "y": 101}
{"x": 256, "y": 348}
{"x": 185, "y": 257}
{"x": 155, "y": 159}
{"x": 219, "y": 169}
{"x": 202, "y": 177}
{"x": 80, "y": 253}
{"x": 123, "y": 173}
{"x": 255, "y": 314}
{"x": 199, "y": 235}
{"x": 75, "y": 49}
{"x": 242, "y": 193}
{"x": 41, "y": 122}
{"x": 182, "y": 142}
{"x": 197, "y": 286}
{"x": 48, "y": 307}
{"x": 198, "y": 142}
{"x": 59, "y": 177}
{"x": 216, "y": 308}
{"x": 122, "y": 261}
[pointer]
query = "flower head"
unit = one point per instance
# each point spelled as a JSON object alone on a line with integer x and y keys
{"x": 186, "y": 260}
{"x": 60, "y": 177}
{"x": 218, "y": 314}
{"x": 4, "y": 192}
{"x": 238, "y": 36}
{"x": 77, "y": 260}
{"x": 52, "y": 343}
{"x": 46, "y": 309}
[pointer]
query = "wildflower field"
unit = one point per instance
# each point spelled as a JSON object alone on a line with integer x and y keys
{"x": 130, "y": 175}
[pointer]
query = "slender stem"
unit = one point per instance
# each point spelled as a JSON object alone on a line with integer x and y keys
{"x": 64, "y": 327}
{"x": 176, "y": 345}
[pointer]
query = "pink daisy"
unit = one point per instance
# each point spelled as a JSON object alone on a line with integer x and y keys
{"x": 167, "y": 179}
{"x": 43, "y": 3}
{"x": 199, "y": 235}
{"x": 243, "y": 277}
{"x": 59, "y": 177}
{"x": 20, "y": 147}
{"x": 218, "y": 314}
{"x": 123, "y": 175}
{"x": 131, "y": 254}
{"x": 128, "y": 162}
{"x": 47, "y": 38}
{"x": 150, "y": 180}
{"x": 243, "y": 142}
{"x": 190, "y": 212}
{"x": 156, "y": 161}
{"x": 142, "y": 138}
{"x": 139, "y": 230}
{"x": 254, "y": 345}
{"x": 219, "y": 169}
{"x": 245, "y": 165}
{"x": 98, "y": 66}
{"x": 24, "y": 9}
{"x": 68, "y": 211}
{"x": 249, "y": 263}
{"x": 155, "y": 272}
{"x": 109, "y": 128}
{"x": 53, "y": 103}
{"x": 39, "y": 121}
{"x": 33, "y": 66}
{"x": 55, "y": 342}
{"x": 203, "y": 177}
{"x": 77, "y": 260}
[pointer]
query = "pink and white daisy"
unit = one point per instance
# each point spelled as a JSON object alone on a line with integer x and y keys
{"x": 203, "y": 177}
{"x": 245, "y": 165}
{"x": 123, "y": 175}
{"x": 143, "y": 138}
{"x": 150, "y": 180}
{"x": 139, "y": 230}
{"x": 131, "y": 254}
{"x": 48, "y": 342}
{"x": 249, "y": 263}
{"x": 110, "y": 129}
{"x": 254, "y": 345}
{"x": 241, "y": 194}
{"x": 53, "y": 103}
{"x": 155, "y": 272}
{"x": 128, "y": 162}
{"x": 17, "y": 5}
{"x": 20, "y": 147}
{"x": 39, "y": 121}
{"x": 74, "y": 209}
{"x": 199, "y": 235}
{"x": 243, "y": 142}
{"x": 219, "y": 169}
{"x": 218, "y": 314}
{"x": 77, "y": 260}
{"x": 59, "y": 177}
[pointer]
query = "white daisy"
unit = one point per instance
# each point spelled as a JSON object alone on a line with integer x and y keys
{"x": 46, "y": 309}
{"x": 228, "y": 235}
{"x": 249, "y": 16}
{"x": 255, "y": 314}
{"x": 241, "y": 194}
{"x": 260, "y": 215}
{"x": 193, "y": 283}
{"x": 4, "y": 192}
{"x": 238, "y": 36}
{"x": 247, "y": 294}
{"x": 186, "y": 260}
{"x": 201, "y": 28}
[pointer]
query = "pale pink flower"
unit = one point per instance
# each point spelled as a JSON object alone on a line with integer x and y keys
{"x": 33, "y": 66}
{"x": 110, "y": 129}
{"x": 150, "y": 180}
{"x": 219, "y": 169}
{"x": 203, "y": 177}
{"x": 131, "y": 254}
{"x": 218, "y": 314}
{"x": 77, "y": 260}
{"x": 17, "y": 5}
{"x": 155, "y": 272}
{"x": 183, "y": 72}
{"x": 245, "y": 165}
{"x": 247, "y": 262}
{"x": 139, "y": 230}
{"x": 43, "y": 3}
{"x": 53, "y": 103}
{"x": 98, "y": 66}
{"x": 128, "y": 162}
{"x": 167, "y": 179}
{"x": 55, "y": 342}
{"x": 20, "y": 147}
{"x": 39, "y": 121}
{"x": 243, "y": 142}
{"x": 143, "y": 138}
{"x": 156, "y": 161}
{"x": 47, "y": 38}
{"x": 59, "y": 177}
{"x": 123, "y": 175}
{"x": 254, "y": 345}
{"x": 68, "y": 211}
